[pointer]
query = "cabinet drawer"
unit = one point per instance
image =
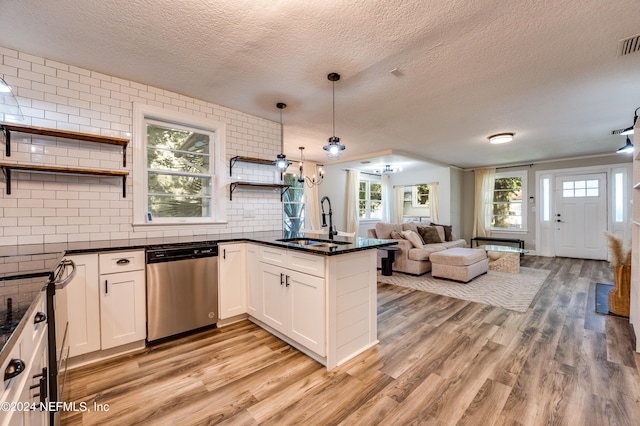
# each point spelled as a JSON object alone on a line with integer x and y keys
{"x": 306, "y": 263}
{"x": 122, "y": 261}
{"x": 273, "y": 256}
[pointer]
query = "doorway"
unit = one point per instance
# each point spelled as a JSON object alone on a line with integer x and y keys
{"x": 581, "y": 216}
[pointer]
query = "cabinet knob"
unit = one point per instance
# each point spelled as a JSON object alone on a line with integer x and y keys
{"x": 15, "y": 367}
{"x": 40, "y": 317}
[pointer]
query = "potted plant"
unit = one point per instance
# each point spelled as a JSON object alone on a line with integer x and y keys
{"x": 620, "y": 294}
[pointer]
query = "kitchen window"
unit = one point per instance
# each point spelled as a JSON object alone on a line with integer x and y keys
{"x": 509, "y": 211}
{"x": 293, "y": 206}
{"x": 370, "y": 199}
{"x": 177, "y": 169}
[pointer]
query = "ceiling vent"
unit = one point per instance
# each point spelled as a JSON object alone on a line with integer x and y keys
{"x": 629, "y": 45}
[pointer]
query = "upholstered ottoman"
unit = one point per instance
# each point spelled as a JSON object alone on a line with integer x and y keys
{"x": 459, "y": 264}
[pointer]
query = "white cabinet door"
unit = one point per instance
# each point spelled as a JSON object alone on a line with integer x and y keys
{"x": 254, "y": 307}
{"x": 232, "y": 280}
{"x": 306, "y": 310}
{"x": 79, "y": 305}
{"x": 122, "y": 303}
{"x": 274, "y": 296}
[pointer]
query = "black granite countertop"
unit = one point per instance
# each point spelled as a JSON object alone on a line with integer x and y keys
{"x": 24, "y": 269}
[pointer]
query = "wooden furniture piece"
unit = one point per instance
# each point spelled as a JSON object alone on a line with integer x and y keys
{"x": 30, "y": 168}
{"x": 87, "y": 137}
{"x": 242, "y": 184}
{"x": 8, "y": 167}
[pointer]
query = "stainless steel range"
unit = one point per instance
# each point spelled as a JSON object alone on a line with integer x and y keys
{"x": 182, "y": 289}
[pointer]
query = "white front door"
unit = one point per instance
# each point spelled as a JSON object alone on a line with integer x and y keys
{"x": 581, "y": 216}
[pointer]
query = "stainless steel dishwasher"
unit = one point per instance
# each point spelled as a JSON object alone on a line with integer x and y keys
{"x": 182, "y": 289}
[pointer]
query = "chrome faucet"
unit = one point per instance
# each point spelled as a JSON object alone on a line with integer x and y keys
{"x": 332, "y": 230}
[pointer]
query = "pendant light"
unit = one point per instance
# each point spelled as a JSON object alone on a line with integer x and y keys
{"x": 628, "y": 130}
{"x": 628, "y": 147}
{"x": 334, "y": 149}
{"x": 310, "y": 181}
{"x": 281, "y": 162}
{"x": 9, "y": 107}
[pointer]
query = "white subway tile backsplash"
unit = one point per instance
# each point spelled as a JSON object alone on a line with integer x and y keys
{"x": 60, "y": 208}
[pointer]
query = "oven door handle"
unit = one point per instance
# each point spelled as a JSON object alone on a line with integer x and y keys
{"x": 60, "y": 283}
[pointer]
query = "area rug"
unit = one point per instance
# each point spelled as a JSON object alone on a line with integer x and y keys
{"x": 510, "y": 291}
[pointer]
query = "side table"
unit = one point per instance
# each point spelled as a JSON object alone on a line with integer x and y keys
{"x": 387, "y": 262}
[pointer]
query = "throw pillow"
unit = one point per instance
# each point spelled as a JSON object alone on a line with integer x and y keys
{"x": 441, "y": 233}
{"x": 429, "y": 234}
{"x": 448, "y": 230}
{"x": 395, "y": 235}
{"x": 413, "y": 238}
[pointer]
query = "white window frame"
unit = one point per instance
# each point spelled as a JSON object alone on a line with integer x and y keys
{"x": 522, "y": 174}
{"x": 141, "y": 113}
{"x": 414, "y": 197}
{"x": 368, "y": 180}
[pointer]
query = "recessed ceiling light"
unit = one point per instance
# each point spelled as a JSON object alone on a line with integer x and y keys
{"x": 500, "y": 138}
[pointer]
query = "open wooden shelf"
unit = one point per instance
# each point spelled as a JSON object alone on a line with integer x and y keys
{"x": 29, "y": 168}
{"x": 233, "y": 160}
{"x": 8, "y": 128}
{"x": 234, "y": 185}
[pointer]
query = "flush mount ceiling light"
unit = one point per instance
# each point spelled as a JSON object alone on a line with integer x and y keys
{"x": 628, "y": 130}
{"x": 500, "y": 138}
{"x": 334, "y": 149}
{"x": 313, "y": 180}
{"x": 281, "y": 162}
{"x": 388, "y": 169}
{"x": 9, "y": 107}
{"x": 628, "y": 147}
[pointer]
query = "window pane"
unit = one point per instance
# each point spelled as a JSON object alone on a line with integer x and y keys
{"x": 176, "y": 206}
{"x": 567, "y": 185}
{"x": 175, "y": 139}
{"x": 178, "y": 185}
{"x": 592, "y": 192}
{"x": 567, "y": 193}
{"x": 376, "y": 209}
{"x": 546, "y": 200}
{"x": 580, "y": 192}
{"x": 177, "y": 161}
{"x": 179, "y": 168}
{"x": 619, "y": 203}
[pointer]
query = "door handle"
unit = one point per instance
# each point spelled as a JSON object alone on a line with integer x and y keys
{"x": 224, "y": 253}
{"x": 281, "y": 278}
{"x": 287, "y": 280}
{"x": 106, "y": 286}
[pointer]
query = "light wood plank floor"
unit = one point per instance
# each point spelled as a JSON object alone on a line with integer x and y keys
{"x": 440, "y": 361}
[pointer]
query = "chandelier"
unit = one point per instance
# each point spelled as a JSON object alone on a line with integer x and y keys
{"x": 388, "y": 169}
{"x": 313, "y": 180}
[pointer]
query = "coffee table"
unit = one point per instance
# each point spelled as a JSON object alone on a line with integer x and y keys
{"x": 503, "y": 258}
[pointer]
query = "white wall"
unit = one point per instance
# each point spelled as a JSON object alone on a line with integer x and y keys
{"x": 60, "y": 208}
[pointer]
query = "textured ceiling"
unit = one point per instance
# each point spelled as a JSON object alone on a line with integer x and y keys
{"x": 546, "y": 70}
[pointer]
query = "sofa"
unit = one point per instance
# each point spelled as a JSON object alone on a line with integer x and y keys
{"x": 411, "y": 259}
